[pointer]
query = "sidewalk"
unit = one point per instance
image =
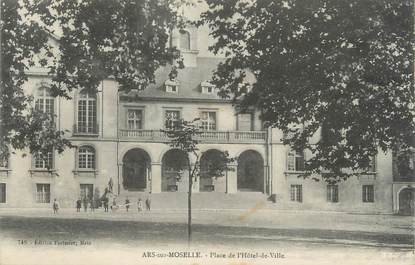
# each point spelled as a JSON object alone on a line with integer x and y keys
{"x": 260, "y": 218}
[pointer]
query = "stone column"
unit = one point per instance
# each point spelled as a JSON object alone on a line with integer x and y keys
{"x": 118, "y": 186}
{"x": 220, "y": 183}
{"x": 231, "y": 179}
{"x": 155, "y": 178}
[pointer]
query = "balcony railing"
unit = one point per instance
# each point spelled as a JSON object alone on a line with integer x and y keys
{"x": 85, "y": 130}
{"x": 204, "y": 136}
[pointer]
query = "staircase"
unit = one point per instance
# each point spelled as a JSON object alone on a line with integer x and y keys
{"x": 200, "y": 200}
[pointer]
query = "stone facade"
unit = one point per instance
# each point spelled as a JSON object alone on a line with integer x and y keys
{"x": 122, "y": 139}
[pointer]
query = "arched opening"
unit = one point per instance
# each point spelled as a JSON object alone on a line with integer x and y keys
{"x": 250, "y": 171}
{"x": 136, "y": 170}
{"x": 174, "y": 173}
{"x": 406, "y": 201}
{"x": 212, "y": 169}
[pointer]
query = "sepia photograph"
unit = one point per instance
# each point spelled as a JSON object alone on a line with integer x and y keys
{"x": 192, "y": 132}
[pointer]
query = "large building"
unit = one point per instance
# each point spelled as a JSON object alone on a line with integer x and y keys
{"x": 118, "y": 137}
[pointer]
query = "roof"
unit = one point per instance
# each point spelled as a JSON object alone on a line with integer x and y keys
{"x": 189, "y": 80}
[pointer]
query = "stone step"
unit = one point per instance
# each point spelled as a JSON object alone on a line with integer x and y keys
{"x": 200, "y": 200}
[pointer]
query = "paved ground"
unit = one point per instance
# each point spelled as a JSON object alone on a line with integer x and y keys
{"x": 298, "y": 234}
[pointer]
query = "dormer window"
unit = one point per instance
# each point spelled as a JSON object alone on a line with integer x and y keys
{"x": 171, "y": 86}
{"x": 244, "y": 89}
{"x": 208, "y": 88}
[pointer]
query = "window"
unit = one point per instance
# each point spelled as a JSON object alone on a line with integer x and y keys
{"x": 87, "y": 190}
{"x": 208, "y": 88}
{"x": 87, "y": 113}
{"x": 295, "y": 161}
{"x": 86, "y": 157}
{"x": 45, "y": 102}
{"x": 43, "y": 162}
{"x": 43, "y": 193}
{"x": 2, "y": 192}
{"x": 172, "y": 118}
{"x": 135, "y": 119}
{"x": 4, "y": 159}
{"x": 245, "y": 122}
{"x": 372, "y": 165}
{"x": 332, "y": 193}
{"x": 208, "y": 120}
{"x": 184, "y": 40}
{"x": 172, "y": 86}
{"x": 368, "y": 193}
{"x": 296, "y": 193}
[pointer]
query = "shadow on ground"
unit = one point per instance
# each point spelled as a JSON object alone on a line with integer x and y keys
{"x": 136, "y": 232}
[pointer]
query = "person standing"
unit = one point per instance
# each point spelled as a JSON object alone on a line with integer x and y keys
{"x": 114, "y": 204}
{"x": 139, "y": 205}
{"x": 78, "y": 205}
{"x": 105, "y": 204}
{"x": 92, "y": 204}
{"x": 85, "y": 203}
{"x": 148, "y": 204}
{"x": 55, "y": 206}
{"x": 127, "y": 204}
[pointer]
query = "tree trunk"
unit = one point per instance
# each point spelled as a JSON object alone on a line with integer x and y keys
{"x": 189, "y": 208}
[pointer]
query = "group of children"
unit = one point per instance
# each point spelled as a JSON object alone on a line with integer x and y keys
{"x": 89, "y": 203}
{"x": 86, "y": 203}
{"x": 139, "y": 204}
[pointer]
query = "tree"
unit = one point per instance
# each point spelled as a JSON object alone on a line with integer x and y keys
{"x": 344, "y": 68}
{"x": 98, "y": 39}
{"x": 183, "y": 136}
{"x": 20, "y": 125}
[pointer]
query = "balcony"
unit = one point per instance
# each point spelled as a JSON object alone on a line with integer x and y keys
{"x": 205, "y": 136}
{"x": 86, "y": 130}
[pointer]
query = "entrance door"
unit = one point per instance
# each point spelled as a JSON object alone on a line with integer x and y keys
{"x": 87, "y": 190}
{"x": 136, "y": 166}
{"x": 250, "y": 174}
{"x": 406, "y": 201}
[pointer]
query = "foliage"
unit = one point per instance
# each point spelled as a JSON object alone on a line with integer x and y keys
{"x": 120, "y": 39}
{"x": 21, "y": 126}
{"x": 346, "y": 66}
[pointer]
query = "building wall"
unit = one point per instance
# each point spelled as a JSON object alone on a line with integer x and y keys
{"x": 154, "y": 117}
{"x": 314, "y": 193}
{"x": 110, "y": 149}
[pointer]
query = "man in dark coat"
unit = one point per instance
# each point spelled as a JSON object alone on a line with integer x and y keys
{"x": 78, "y": 205}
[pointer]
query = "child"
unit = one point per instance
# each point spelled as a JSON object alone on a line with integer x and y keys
{"x": 55, "y": 206}
{"x": 148, "y": 203}
{"x": 139, "y": 205}
{"x": 127, "y": 204}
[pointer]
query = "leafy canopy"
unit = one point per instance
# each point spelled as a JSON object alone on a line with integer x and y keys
{"x": 122, "y": 39}
{"x": 22, "y": 126}
{"x": 343, "y": 66}
{"x": 126, "y": 40}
